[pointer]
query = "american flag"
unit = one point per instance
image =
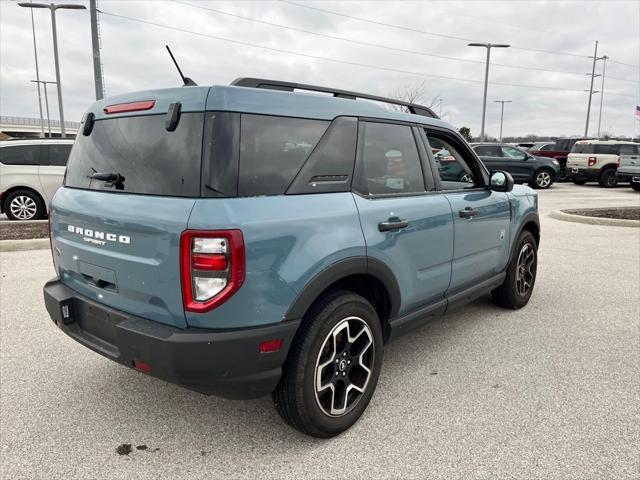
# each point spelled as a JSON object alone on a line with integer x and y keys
{"x": 638, "y": 110}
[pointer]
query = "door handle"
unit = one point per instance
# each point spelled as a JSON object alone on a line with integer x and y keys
{"x": 468, "y": 213}
{"x": 393, "y": 223}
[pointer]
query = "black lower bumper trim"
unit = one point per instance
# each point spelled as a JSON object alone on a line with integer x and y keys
{"x": 586, "y": 174}
{"x": 226, "y": 363}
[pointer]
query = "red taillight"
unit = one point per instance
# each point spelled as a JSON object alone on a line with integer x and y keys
{"x": 270, "y": 346}
{"x": 212, "y": 267}
{"x": 592, "y": 161}
{"x": 142, "y": 366}
{"x": 129, "y": 107}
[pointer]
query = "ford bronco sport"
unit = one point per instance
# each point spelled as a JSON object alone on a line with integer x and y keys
{"x": 252, "y": 239}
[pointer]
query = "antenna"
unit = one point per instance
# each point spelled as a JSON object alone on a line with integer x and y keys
{"x": 186, "y": 81}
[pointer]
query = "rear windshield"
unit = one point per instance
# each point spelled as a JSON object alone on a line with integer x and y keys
{"x": 143, "y": 155}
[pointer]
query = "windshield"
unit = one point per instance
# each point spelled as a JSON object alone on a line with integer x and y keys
{"x": 139, "y": 155}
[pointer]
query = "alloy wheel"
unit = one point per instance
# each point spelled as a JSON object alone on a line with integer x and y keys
{"x": 344, "y": 366}
{"x": 543, "y": 179}
{"x": 23, "y": 207}
{"x": 524, "y": 269}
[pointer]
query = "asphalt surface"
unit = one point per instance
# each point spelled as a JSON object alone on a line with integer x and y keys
{"x": 549, "y": 391}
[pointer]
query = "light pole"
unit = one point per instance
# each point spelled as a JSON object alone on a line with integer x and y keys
{"x": 502, "y": 102}
{"x": 52, "y": 8}
{"x": 46, "y": 101}
{"x": 488, "y": 46}
{"x": 593, "y": 75}
{"x": 35, "y": 53}
{"x": 604, "y": 66}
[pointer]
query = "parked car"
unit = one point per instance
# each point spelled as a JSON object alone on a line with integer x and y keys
{"x": 30, "y": 173}
{"x": 539, "y": 172}
{"x": 598, "y": 160}
{"x": 629, "y": 170}
{"x": 251, "y": 239}
{"x": 541, "y": 147}
{"x": 558, "y": 152}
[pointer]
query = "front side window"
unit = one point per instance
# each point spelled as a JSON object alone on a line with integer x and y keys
{"x": 454, "y": 170}
{"x": 389, "y": 162}
{"x": 273, "y": 150}
{"x": 20, "y": 155}
{"x": 513, "y": 153}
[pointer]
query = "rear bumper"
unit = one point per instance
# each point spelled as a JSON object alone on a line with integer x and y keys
{"x": 226, "y": 363}
{"x": 588, "y": 174}
{"x": 628, "y": 177}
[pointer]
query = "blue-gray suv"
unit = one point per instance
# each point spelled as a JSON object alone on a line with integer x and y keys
{"x": 252, "y": 239}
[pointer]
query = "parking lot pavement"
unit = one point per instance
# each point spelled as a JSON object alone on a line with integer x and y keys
{"x": 549, "y": 391}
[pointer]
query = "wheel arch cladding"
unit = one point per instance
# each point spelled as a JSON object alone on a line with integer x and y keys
{"x": 368, "y": 277}
{"x": 531, "y": 225}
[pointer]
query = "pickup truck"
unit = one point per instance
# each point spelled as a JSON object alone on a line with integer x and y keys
{"x": 559, "y": 152}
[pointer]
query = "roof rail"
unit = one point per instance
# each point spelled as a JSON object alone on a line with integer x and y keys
{"x": 290, "y": 87}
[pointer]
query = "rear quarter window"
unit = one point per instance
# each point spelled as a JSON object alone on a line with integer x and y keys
{"x": 606, "y": 149}
{"x": 582, "y": 148}
{"x": 21, "y": 155}
{"x": 273, "y": 150}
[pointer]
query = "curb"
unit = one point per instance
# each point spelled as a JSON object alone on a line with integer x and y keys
{"x": 611, "y": 222}
{"x": 30, "y": 244}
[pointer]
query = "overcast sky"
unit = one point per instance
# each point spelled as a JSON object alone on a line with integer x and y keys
{"x": 134, "y": 58}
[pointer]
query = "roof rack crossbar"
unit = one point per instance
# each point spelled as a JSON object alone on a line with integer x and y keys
{"x": 291, "y": 86}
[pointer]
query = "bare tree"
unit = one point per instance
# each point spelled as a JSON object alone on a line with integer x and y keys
{"x": 416, "y": 93}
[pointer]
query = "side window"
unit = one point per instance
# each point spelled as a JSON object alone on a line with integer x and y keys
{"x": 487, "y": 151}
{"x": 548, "y": 148}
{"x": 456, "y": 172}
{"x": 59, "y": 154}
{"x": 20, "y": 155}
{"x": 627, "y": 149}
{"x": 388, "y": 160}
{"x": 606, "y": 149}
{"x": 513, "y": 153}
{"x": 272, "y": 151}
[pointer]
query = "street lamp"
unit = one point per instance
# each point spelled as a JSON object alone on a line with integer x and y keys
{"x": 502, "y": 102}
{"x": 46, "y": 100}
{"x": 488, "y": 46}
{"x": 52, "y": 8}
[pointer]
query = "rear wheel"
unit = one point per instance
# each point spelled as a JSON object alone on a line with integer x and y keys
{"x": 543, "y": 179}
{"x": 517, "y": 287}
{"x": 608, "y": 178}
{"x": 333, "y": 367}
{"x": 24, "y": 205}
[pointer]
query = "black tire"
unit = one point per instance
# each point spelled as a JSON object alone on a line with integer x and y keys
{"x": 608, "y": 178}
{"x": 636, "y": 186}
{"x": 24, "y": 205}
{"x": 543, "y": 179}
{"x": 509, "y": 294}
{"x": 578, "y": 182}
{"x": 296, "y": 398}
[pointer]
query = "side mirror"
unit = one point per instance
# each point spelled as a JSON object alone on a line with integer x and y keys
{"x": 501, "y": 181}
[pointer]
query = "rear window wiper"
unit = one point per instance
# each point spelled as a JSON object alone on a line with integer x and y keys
{"x": 111, "y": 179}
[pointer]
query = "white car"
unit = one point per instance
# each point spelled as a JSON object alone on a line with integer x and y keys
{"x": 30, "y": 173}
{"x": 598, "y": 160}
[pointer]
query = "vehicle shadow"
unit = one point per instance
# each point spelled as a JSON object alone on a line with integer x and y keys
{"x": 151, "y": 405}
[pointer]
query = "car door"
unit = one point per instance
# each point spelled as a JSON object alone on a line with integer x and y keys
{"x": 481, "y": 217}
{"x": 491, "y": 156}
{"x": 406, "y": 225}
{"x": 51, "y": 170}
{"x": 515, "y": 161}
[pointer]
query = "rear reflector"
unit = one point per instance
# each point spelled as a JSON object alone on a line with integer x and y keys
{"x": 129, "y": 107}
{"x": 270, "y": 346}
{"x": 142, "y": 366}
